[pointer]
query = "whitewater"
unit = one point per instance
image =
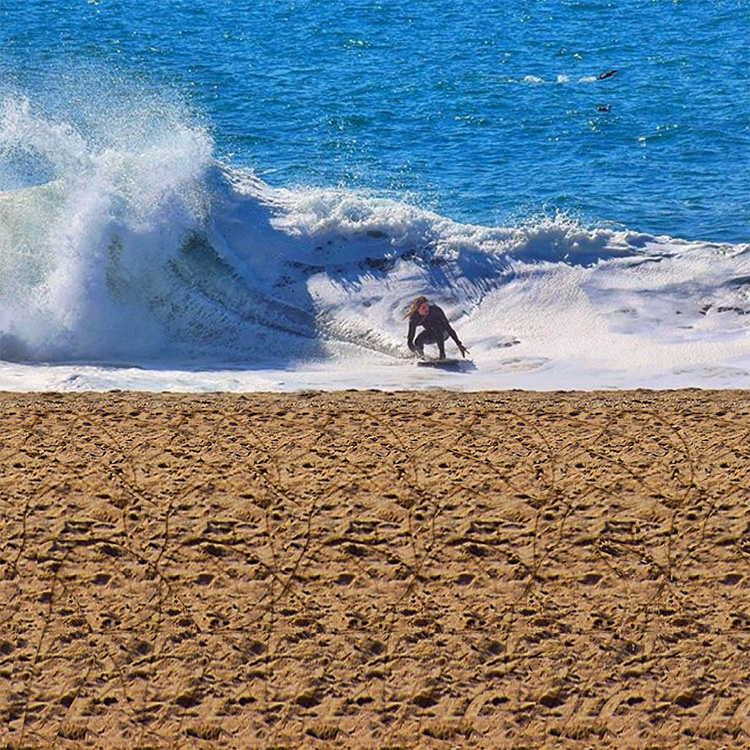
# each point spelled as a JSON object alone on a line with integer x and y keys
{"x": 140, "y": 260}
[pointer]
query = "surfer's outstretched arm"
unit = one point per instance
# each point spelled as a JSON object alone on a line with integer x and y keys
{"x": 449, "y": 328}
{"x": 464, "y": 351}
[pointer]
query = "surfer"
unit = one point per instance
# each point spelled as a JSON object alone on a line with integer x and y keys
{"x": 608, "y": 74}
{"x": 436, "y": 328}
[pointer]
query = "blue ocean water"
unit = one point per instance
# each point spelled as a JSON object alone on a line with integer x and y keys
{"x": 485, "y": 112}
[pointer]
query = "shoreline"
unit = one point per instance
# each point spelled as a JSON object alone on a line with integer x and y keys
{"x": 361, "y": 569}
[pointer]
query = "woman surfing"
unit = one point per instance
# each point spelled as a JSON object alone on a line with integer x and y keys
{"x": 436, "y": 328}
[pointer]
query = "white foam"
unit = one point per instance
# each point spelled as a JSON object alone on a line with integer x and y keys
{"x": 144, "y": 264}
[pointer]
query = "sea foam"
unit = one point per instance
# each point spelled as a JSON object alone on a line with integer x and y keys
{"x": 134, "y": 246}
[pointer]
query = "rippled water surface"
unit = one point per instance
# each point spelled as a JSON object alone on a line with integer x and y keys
{"x": 486, "y": 112}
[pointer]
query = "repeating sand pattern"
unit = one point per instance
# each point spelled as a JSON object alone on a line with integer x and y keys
{"x": 375, "y": 570}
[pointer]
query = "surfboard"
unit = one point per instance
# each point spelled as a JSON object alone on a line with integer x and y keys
{"x": 442, "y": 363}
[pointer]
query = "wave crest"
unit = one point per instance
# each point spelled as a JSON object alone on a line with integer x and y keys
{"x": 138, "y": 246}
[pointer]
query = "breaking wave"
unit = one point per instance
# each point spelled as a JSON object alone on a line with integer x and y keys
{"x": 124, "y": 240}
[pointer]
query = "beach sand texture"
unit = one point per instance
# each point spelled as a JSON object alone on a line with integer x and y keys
{"x": 371, "y": 570}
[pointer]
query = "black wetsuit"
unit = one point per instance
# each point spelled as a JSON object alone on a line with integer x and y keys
{"x": 436, "y": 330}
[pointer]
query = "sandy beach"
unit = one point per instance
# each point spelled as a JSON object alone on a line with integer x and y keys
{"x": 375, "y": 570}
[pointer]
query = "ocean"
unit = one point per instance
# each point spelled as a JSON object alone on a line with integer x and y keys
{"x": 247, "y": 196}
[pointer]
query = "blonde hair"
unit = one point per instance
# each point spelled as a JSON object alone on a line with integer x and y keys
{"x": 415, "y": 305}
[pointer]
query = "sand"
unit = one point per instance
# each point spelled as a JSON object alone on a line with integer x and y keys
{"x": 372, "y": 570}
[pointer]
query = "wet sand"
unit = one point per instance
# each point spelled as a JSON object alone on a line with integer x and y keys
{"x": 372, "y": 570}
